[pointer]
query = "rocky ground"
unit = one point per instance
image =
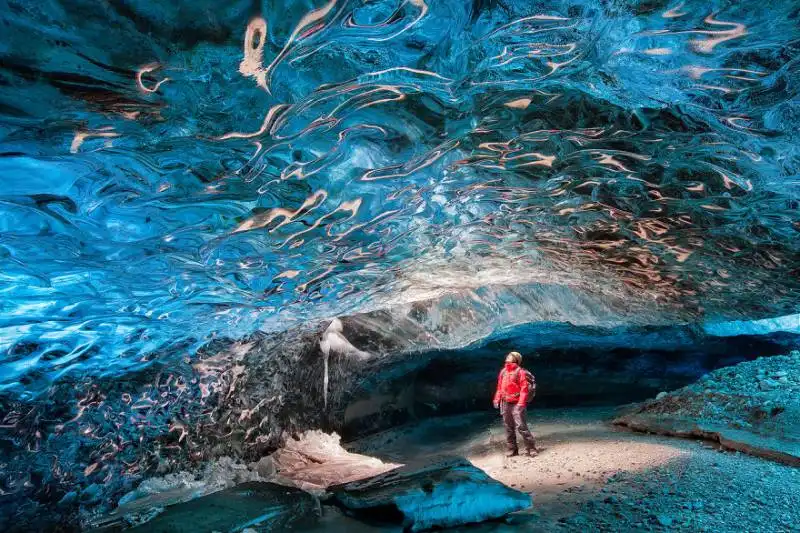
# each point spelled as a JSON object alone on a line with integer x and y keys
{"x": 752, "y": 406}
{"x": 592, "y": 476}
{"x": 703, "y": 490}
{"x": 762, "y": 396}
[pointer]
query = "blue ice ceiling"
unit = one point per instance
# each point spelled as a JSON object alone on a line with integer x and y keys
{"x": 176, "y": 171}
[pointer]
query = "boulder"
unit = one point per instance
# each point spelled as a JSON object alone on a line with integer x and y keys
{"x": 447, "y": 493}
{"x": 264, "y": 506}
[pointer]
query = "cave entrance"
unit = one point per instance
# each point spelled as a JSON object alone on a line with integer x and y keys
{"x": 451, "y": 382}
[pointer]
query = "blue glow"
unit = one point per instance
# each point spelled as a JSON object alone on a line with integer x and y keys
{"x": 213, "y": 171}
{"x": 789, "y": 324}
{"x": 175, "y": 173}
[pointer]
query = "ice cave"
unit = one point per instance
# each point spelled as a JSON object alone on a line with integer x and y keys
{"x": 316, "y": 265}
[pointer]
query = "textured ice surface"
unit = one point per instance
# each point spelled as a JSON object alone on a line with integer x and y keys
{"x": 175, "y": 171}
{"x": 443, "y": 493}
{"x": 790, "y": 324}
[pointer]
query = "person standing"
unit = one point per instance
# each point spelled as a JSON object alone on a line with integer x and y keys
{"x": 513, "y": 391}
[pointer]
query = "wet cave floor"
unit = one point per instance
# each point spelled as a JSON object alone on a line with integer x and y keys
{"x": 592, "y": 476}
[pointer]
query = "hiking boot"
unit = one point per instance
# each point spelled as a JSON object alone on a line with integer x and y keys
{"x": 532, "y": 452}
{"x": 512, "y": 453}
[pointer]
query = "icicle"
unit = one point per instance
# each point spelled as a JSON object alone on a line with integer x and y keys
{"x": 326, "y": 356}
{"x": 326, "y": 344}
{"x": 333, "y": 340}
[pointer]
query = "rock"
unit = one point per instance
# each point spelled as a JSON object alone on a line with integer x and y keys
{"x": 264, "y": 506}
{"x": 664, "y": 520}
{"x": 443, "y": 494}
{"x": 265, "y": 467}
{"x": 661, "y": 395}
{"x": 768, "y": 384}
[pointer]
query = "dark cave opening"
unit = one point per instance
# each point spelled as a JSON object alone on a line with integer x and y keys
{"x": 461, "y": 381}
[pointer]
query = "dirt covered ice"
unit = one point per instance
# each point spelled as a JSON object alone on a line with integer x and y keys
{"x": 752, "y": 407}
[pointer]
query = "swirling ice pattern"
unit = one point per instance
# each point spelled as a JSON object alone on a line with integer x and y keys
{"x": 176, "y": 171}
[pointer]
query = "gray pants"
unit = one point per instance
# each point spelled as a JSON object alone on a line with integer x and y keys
{"x": 514, "y": 419}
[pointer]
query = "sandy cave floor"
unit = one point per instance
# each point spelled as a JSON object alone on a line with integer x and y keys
{"x": 591, "y": 476}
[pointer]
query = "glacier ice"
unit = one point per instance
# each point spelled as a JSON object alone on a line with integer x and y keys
{"x": 183, "y": 180}
{"x": 788, "y": 323}
{"x": 334, "y": 342}
{"x": 211, "y": 171}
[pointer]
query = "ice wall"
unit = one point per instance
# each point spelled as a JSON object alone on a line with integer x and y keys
{"x": 179, "y": 175}
{"x": 178, "y": 171}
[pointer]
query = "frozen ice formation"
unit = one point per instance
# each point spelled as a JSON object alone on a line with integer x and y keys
{"x": 206, "y": 170}
{"x": 334, "y": 342}
{"x": 193, "y": 190}
{"x": 437, "y": 494}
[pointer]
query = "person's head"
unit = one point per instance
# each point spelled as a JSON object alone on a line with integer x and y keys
{"x": 514, "y": 358}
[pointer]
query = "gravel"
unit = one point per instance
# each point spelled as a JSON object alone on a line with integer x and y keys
{"x": 760, "y": 396}
{"x": 706, "y": 490}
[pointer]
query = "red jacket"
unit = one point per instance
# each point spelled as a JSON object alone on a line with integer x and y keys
{"x": 512, "y": 387}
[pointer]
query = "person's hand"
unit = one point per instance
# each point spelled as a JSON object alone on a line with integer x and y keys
{"x": 496, "y": 404}
{"x": 519, "y": 407}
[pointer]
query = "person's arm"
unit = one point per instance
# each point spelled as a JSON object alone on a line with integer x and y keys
{"x": 523, "y": 388}
{"x": 496, "y": 401}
